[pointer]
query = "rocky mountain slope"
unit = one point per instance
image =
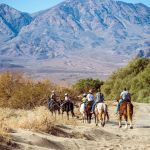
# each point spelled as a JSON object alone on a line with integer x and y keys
{"x": 94, "y": 32}
{"x": 78, "y": 24}
{"x": 11, "y": 22}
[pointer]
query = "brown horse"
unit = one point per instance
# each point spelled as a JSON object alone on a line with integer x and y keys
{"x": 88, "y": 111}
{"x": 126, "y": 110}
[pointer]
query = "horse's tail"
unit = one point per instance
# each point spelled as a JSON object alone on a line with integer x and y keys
{"x": 105, "y": 108}
{"x": 129, "y": 111}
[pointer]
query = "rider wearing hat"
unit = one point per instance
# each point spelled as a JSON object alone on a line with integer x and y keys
{"x": 67, "y": 97}
{"x": 125, "y": 95}
{"x": 90, "y": 98}
{"x": 84, "y": 100}
{"x": 53, "y": 95}
{"x": 52, "y": 98}
{"x": 99, "y": 99}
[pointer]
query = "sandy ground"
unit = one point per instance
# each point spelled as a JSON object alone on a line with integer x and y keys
{"x": 89, "y": 137}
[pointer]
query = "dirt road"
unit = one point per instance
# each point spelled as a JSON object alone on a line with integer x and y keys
{"x": 89, "y": 137}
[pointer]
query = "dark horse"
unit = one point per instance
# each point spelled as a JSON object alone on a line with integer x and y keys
{"x": 54, "y": 106}
{"x": 67, "y": 107}
{"x": 88, "y": 111}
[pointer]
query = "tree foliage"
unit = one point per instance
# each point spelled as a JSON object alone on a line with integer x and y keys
{"x": 84, "y": 85}
{"x": 135, "y": 77}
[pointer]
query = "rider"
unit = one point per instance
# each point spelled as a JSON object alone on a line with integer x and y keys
{"x": 67, "y": 98}
{"x": 84, "y": 99}
{"x": 125, "y": 95}
{"x": 52, "y": 98}
{"x": 90, "y": 97}
{"x": 99, "y": 99}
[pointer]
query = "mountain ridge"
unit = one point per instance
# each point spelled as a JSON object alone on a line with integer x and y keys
{"x": 11, "y": 22}
{"x": 80, "y": 36}
{"x": 76, "y": 18}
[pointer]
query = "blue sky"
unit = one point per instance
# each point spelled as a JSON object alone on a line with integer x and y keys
{"x": 37, "y": 5}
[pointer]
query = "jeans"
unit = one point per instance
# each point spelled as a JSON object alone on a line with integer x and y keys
{"x": 93, "y": 106}
{"x": 120, "y": 102}
{"x": 49, "y": 104}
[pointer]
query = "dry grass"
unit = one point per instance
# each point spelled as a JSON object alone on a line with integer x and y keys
{"x": 38, "y": 119}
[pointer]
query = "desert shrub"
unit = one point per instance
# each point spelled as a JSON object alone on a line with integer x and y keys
{"x": 84, "y": 85}
{"x": 135, "y": 77}
{"x": 18, "y": 91}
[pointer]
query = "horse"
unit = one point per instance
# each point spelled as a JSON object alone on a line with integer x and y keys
{"x": 54, "y": 106}
{"x": 101, "y": 113}
{"x": 67, "y": 106}
{"x": 82, "y": 111}
{"x": 88, "y": 111}
{"x": 126, "y": 110}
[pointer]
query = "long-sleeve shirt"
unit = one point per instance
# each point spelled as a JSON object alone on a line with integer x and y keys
{"x": 124, "y": 95}
{"x": 53, "y": 96}
{"x": 99, "y": 97}
{"x": 90, "y": 97}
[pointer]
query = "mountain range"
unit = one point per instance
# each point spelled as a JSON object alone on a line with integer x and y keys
{"x": 81, "y": 34}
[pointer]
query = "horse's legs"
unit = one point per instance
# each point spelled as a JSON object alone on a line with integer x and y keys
{"x": 126, "y": 122}
{"x": 88, "y": 118}
{"x": 59, "y": 111}
{"x": 97, "y": 119}
{"x": 67, "y": 115}
{"x": 84, "y": 119}
{"x": 129, "y": 113}
{"x": 72, "y": 113}
{"x": 101, "y": 118}
{"x": 131, "y": 126}
{"x": 62, "y": 114}
{"x": 52, "y": 112}
{"x": 107, "y": 116}
{"x": 105, "y": 113}
{"x": 95, "y": 115}
{"x": 130, "y": 120}
{"x": 55, "y": 114}
{"x": 120, "y": 118}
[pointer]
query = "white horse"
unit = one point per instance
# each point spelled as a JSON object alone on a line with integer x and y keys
{"x": 101, "y": 113}
{"x": 82, "y": 111}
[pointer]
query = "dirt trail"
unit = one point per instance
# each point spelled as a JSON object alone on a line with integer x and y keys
{"x": 90, "y": 137}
